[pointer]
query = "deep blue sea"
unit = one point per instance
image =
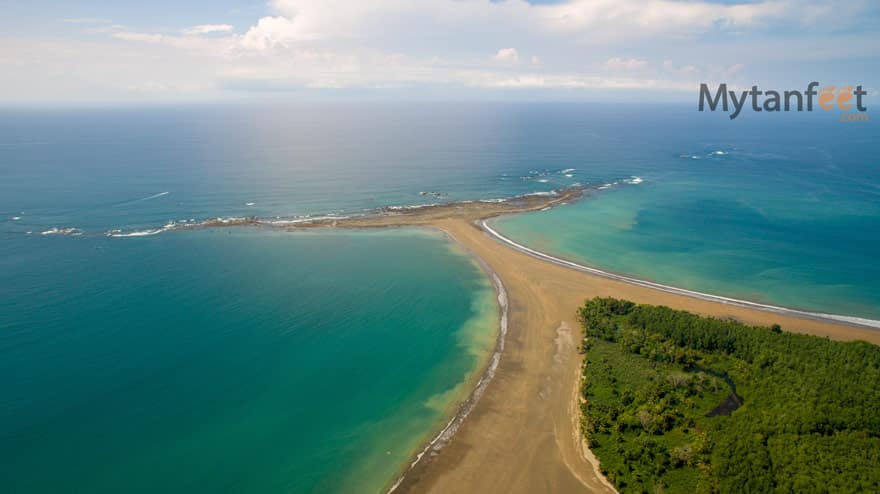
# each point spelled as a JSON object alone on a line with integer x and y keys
{"x": 262, "y": 361}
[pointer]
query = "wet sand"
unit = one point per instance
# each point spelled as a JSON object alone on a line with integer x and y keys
{"x": 522, "y": 436}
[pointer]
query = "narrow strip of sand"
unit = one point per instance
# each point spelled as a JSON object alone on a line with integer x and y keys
{"x": 852, "y": 320}
{"x": 521, "y": 436}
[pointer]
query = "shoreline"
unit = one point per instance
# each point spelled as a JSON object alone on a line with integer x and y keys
{"x": 483, "y": 213}
{"x": 539, "y": 375}
{"x": 860, "y": 322}
{"x": 440, "y": 465}
{"x": 421, "y": 468}
{"x": 487, "y": 211}
{"x": 487, "y": 373}
{"x": 520, "y": 434}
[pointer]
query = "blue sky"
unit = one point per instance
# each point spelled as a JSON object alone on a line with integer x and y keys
{"x": 635, "y": 50}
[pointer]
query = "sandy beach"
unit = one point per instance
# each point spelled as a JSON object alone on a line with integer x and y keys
{"x": 521, "y": 436}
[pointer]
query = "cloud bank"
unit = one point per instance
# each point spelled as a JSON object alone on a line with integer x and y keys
{"x": 658, "y": 45}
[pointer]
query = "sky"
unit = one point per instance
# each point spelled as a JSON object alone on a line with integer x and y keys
{"x": 107, "y": 52}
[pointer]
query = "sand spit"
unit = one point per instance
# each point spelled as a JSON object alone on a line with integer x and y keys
{"x": 521, "y": 436}
{"x": 520, "y": 433}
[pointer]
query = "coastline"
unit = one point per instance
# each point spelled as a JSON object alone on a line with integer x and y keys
{"x": 819, "y": 316}
{"x": 522, "y": 437}
{"x": 484, "y": 213}
{"x": 541, "y": 363}
{"x": 477, "y": 385}
{"x": 479, "y": 337}
{"x": 520, "y": 434}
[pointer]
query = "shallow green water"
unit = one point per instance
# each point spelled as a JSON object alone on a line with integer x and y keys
{"x": 750, "y": 242}
{"x": 259, "y": 362}
{"x": 233, "y": 361}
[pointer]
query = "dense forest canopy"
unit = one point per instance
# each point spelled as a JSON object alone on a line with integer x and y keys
{"x": 675, "y": 402}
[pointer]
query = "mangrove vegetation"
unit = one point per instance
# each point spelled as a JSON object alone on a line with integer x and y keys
{"x": 675, "y": 402}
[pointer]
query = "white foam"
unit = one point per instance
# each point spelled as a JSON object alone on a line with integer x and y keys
{"x": 139, "y": 233}
{"x": 569, "y": 175}
{"x": 154, "y": 196}
{"x": 302, "y": 219}
{"x": 225, "y": 221}
{"x": 445, "y": 435}
{"x": 15, "y": 218}
{"x": 249, "y": 204}
{"x": 543, "y": 180}
{"x": 404, "y": 208}
{"x": 634, "y": 180}
{"x": 117, "y": 233}
{"x": 821, "y": 316}
{"x": 567, "y": 170}
{"x": 282, "y": 222}
{"x": 142, "y": 199}
{"x": 62, "y": 231}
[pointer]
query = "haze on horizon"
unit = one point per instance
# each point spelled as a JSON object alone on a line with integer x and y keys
{"x": 91, "y": 52}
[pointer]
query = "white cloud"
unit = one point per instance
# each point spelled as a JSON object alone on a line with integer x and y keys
{"x": 618, "y": 64}
{"x": 207, "y": 29}
{"x": 651, "y": 17}
{"x": 86, "y": 20}
{"x": 507, "y": 55}
{"x": 570, "y": 81}
{"x": 143, "y": 37}
{"x": 590, "y": 19}
{"x": 268, "y": 33}
{"x": 448, "y": 43}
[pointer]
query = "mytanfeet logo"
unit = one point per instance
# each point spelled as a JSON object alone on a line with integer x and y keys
{"x": 847, "y": 99}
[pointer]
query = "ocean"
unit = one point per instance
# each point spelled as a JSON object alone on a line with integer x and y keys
{"x": 781, "y": 211}
{"x": 255, "y": 360}
{"x": 233, "y": 361}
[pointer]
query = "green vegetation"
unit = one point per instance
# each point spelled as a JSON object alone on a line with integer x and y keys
{"x": 675, "y": 402}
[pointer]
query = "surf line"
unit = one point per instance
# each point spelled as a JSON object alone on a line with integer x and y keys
{"x": 785, "y": 311}
{"x": 445, "y": 435}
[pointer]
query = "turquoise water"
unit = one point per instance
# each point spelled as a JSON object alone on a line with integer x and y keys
{"x": 248, "y": 360}
{"x": 786, "y": 214}
{"x": 651, "y": 234}
{"x": 233, "y": 361}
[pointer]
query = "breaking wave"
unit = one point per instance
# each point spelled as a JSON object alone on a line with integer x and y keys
{"x": 70, "y": 231}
